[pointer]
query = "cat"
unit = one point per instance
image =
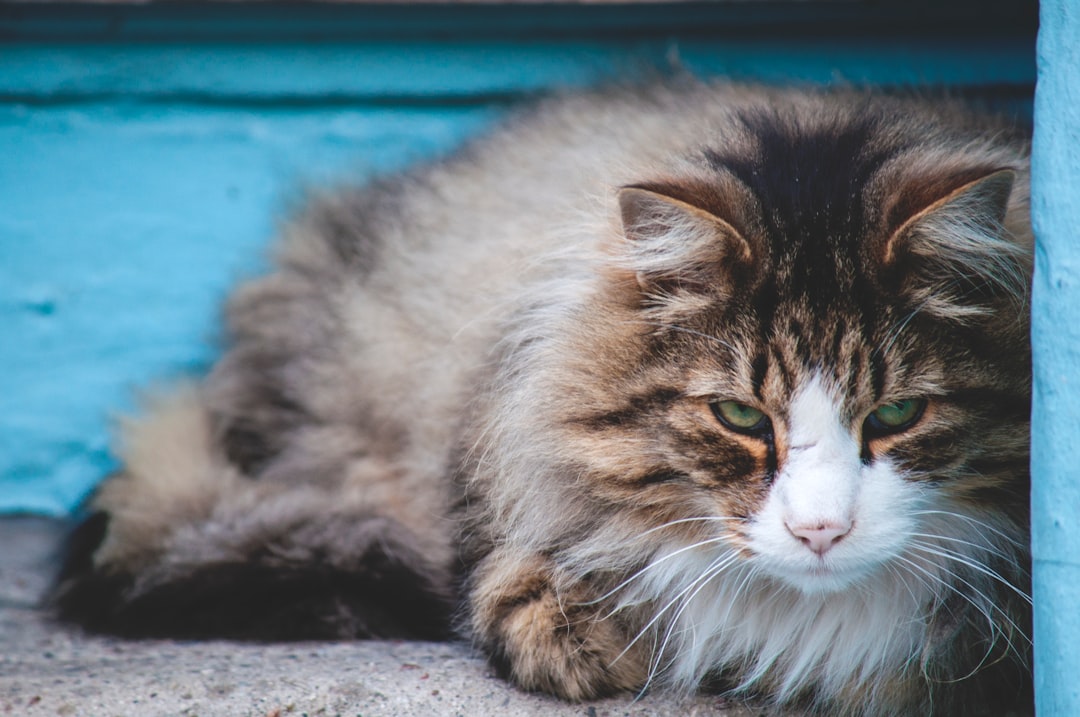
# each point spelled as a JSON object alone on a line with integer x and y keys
{"x": 688, "y": 385}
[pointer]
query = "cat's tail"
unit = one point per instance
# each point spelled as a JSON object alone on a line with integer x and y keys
{"x": 181, "y": 544}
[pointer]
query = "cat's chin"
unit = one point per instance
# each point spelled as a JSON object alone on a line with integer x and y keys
{"x": 821, "y": 579}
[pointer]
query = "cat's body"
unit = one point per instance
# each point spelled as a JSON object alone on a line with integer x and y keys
{"x": 704, "y": 385}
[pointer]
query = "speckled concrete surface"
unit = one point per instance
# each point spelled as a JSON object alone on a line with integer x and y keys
{"x": 49, "y": 669}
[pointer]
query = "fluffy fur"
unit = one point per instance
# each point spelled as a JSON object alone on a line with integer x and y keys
{"x": 498, "y": 383}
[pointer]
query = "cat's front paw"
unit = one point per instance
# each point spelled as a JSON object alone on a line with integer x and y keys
{"x": 552, "y": 638}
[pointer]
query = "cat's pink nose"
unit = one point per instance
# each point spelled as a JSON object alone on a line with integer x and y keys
{"x": 820, "y": 537}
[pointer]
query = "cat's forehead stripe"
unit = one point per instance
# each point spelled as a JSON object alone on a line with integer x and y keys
{"x": 760, "y": 367}
{"x": 809, "y": 179}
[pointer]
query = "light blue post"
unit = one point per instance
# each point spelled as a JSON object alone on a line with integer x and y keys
{"x": 1055, "y": 429}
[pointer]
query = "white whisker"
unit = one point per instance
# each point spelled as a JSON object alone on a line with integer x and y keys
{"x": 683, "y": 329}
{"x": 700, "y": 519}
{"x": 996, "y": 552}
{"x": 715, "y": 568}
{"x": 723, "y": 559}
{"x": 973, "y": 521}
{"x": 995, "y": 629}
{"x": 653, "y": 564}
{"x": 970, "y": 563}
{"x": 982, "y": 609}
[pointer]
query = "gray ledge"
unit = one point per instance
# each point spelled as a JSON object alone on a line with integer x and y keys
{"x": 50, "y": 669}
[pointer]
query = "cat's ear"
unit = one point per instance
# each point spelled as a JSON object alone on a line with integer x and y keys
{"x": 674, "y": 244}
{"x": 953, "y": 253}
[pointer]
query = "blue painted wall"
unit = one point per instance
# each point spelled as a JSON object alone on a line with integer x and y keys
{"x": 147, "y": 152}
{"x": 1055, "y": 444}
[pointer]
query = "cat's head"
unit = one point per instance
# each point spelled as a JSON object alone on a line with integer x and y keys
{"x": 814, "y": 345}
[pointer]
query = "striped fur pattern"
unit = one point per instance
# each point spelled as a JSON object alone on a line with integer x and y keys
{"x": 683, "y": 386}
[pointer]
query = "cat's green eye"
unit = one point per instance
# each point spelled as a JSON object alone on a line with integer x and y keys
{"x": 739, "y": 417}
{"x": 895, "y": 417}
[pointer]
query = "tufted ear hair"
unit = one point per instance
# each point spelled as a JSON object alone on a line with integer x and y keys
{"x": 675, "y": 245}
{"x": 954, "y": 256}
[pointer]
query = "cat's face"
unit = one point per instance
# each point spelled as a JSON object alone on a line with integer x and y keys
{"x": 819, "y": 380}
{"x": 824, "y": 475}
{"x": 831, "y": 515}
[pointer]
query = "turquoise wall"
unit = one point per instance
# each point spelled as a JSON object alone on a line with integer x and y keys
{"x": 1055, "y": 426}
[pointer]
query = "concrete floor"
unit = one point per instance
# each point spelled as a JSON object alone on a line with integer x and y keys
{"x": 50, "y": 669}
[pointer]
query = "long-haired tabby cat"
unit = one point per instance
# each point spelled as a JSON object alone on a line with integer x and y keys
{"x": 665, "y": 387}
